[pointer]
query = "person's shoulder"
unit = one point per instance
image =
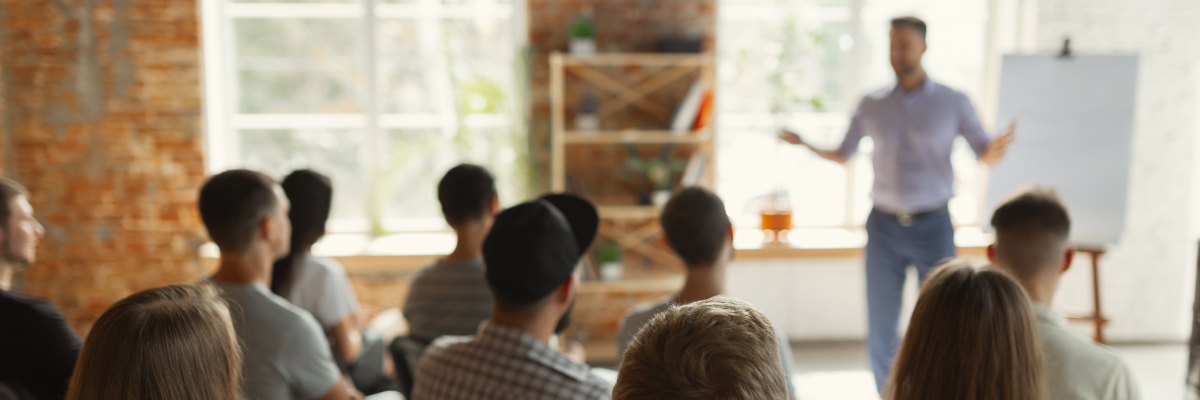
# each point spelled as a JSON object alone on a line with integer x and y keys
{"x": 30, "y": 306}
{"x": 641, "y": 313}
{"x": 878, "y": 94}
{"x": 1059, "y": 342}
{"x": 325, "y": 265}
{"x": 448, "y": 347}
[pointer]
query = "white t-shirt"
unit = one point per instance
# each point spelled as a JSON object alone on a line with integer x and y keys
{"x": 1078, "y": 368}
{"x": 321, "y": 287}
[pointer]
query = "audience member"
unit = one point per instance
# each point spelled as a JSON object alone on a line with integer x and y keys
{"x": 286, "y": 354}
{"x": 698, "y": 230}
{"x": 720, "y": 348}
{"x": 972, "y": 336}
{"x": 320, "y": 286}
{"x": 173, "y": 342}
{"x": 37, "y": 346}
{"x": 531, "y": 256}
{"x": 1032, "y": 228}
{"x": 451, "y": 297}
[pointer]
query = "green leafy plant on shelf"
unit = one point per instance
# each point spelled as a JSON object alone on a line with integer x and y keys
{"x": 581, "y": 28}
{"x": 657, "y": 171}
{"x": 609, "y": 252}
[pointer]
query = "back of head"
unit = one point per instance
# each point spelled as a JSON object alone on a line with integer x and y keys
{"x": 232, "y": 204}
{"x": 972, "y": 336}
{"x": 695, "y": 224}
{"x": 173, "y": 342}
{"x": 466, "y": 193}
{"x": 311, "y": 196}
{"x": 9, "y": 190}
{"x": 1032, "y": 228}
{"x": 720, "y": 348}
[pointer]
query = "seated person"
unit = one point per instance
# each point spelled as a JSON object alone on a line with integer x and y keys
{"x": 451, "y": 296}
{"x": 320, "y": 286}
{"x": 173, "y": 342}
{"x": 531, "y": 256}
{"x": 1032, "y": 227}
{"x": 698, "y": 230}
{"x": 719, "y": 348}
{"x": 972, "y": 336}
{"x": 37, "y": 346}
{"x": 286, "y": 354}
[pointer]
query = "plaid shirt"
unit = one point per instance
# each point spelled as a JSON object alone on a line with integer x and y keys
{"x": 502, "y": 362}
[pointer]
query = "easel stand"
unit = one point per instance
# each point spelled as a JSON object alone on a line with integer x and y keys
{"x": 1096, "y": 318}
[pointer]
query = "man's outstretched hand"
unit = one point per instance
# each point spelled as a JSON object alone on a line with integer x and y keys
{"x": 999, "y": 147}
{"x": 790, "y": 137}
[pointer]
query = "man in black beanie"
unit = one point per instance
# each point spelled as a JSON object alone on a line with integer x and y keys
{"x": 531, "y": 256}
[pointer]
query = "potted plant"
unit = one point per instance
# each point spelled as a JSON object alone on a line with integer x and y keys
{"x": 609, "y": 256}
{"x": 581, "y": 36}
{"x": 658, "y": 171}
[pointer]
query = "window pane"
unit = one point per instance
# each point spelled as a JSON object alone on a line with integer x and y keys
{"x": 297, "y": 65}
{"x": 754, "y": 162}
{"x": 406, "y": 87}
{"x": 335, "y": 153}
{"x": 295, "y": 1}
{"x": 417, "y": 159}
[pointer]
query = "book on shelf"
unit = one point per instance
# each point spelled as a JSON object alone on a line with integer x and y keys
{"x": 705, "y": 113}
{"x": 689, "y": 108}
{"x": 694, "y": 170}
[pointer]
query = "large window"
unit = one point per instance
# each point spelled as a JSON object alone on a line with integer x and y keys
{"x": 806, "y": 64}
{"x": 382, "y": 95}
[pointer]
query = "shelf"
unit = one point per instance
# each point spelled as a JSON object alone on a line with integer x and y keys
{"x": 635, "y": 136}
{"x": 628, "y": 212}
{"x": 644, "y": 59}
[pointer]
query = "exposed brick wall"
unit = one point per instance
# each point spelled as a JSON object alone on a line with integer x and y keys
{"x": 622, "y": 26}
{"x": 102, "y": 121}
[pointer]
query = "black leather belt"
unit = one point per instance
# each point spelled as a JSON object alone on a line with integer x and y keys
{"x": 907, "y": 219}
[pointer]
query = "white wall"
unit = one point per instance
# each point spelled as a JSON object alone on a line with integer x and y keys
{"x": 1148, "y": 279}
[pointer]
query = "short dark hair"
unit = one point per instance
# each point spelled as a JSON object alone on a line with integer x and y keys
{"x": 233, "y": 203}
{"x": 1032, "y": 225}
{"x": 466, "y": 192}
{"x": 695, "y": 224}
{"x": 912, "y": 22}
{"x": 9, "y": 189}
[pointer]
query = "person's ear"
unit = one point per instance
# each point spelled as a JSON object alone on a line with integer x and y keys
{"x": 494, "y": 206}
{"x": 991, "y": 253}
{"x": 1068, "y": 259}
{"x": 266, "y": 228}
{"x": 566, "y": 291}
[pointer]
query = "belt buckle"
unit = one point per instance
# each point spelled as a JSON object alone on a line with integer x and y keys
{"x": 905, "y": 219}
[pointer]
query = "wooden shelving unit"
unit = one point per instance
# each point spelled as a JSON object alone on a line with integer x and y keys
{"x": 628, "y": 84}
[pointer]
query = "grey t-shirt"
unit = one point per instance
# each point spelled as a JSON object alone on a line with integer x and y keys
{"x": 321, "y": 287}
{"x": 285, "y": 353}
{"x": 642, "y": 314}
{"x": 448, "y": 299}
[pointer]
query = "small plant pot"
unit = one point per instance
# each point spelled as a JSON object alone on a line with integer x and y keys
{"x": 587, "y": 123}
{"x": 612, "y": 271}
{"x": 582, "y": 46}
{"x": 660, "y": 197}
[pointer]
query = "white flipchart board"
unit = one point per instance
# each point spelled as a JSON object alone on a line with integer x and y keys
{"x": 1074, "y": 132}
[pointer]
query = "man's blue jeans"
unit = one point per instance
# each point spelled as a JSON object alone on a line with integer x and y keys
{"x": 892, "y": 247}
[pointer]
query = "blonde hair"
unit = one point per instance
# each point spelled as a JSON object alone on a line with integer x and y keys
{"x": 972, "y": 336}
{"x": 173, "y": 342}
{"x": 718, "y": 348}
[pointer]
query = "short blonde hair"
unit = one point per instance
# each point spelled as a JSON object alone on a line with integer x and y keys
{"x": 720, "y": 348}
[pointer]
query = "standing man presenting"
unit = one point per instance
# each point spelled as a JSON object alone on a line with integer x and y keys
{"x": 914, "y": 125}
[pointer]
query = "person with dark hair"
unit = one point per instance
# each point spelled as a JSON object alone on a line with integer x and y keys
{"x": 320, "y": 285}
{"x": 37, "y": 347}
{"x": 532, "y": 255}
{"x": 719, "y": 348}
{"x": 913, "y": 124}
{"x": 972, "y": 336}
{"x": 697, "y": 228}
{"x": 286, "y": 353}
{"x": 1032, "y": 231}
{"x": 173, "y": 342}
{"x": 451, "y": 297}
